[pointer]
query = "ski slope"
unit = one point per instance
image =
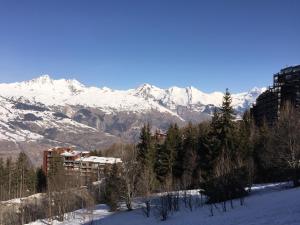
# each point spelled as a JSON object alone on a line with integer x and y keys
{"x": 267, "y": 205}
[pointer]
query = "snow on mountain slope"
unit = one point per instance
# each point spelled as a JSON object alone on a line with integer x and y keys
{"x": 142, "y": 99}
{"x": 70, "y": 92}
{"x": 44, "y": 112}
{"x": 32, "y": 128}
{"x": 9, "y": 133}
{"x": 13, "y": 114}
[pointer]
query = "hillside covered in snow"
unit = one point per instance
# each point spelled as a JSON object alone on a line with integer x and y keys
{"x": 272, "y": 204}
{"x": 144, "y": 98}
{"x": 44, "y": 112}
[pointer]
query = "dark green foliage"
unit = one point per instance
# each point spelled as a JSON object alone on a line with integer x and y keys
{"x": 41, "y": 180}
{"x": 177, "y": 169}
{"x": 225, "y": 154}
{"x": 114, "y": 188}
{"x": 25, "y": 175}
{"x": 17, "y": 178}
{"x": 168, "y": 155}
{"x": 190, "y": 154}
{"x": 146, "y": 154}
{"x": 229, "y": 186}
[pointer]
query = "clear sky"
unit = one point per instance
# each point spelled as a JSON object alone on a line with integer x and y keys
{"x": 210, "y": 44}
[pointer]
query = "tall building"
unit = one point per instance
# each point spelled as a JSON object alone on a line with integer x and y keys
{"x": 79, "y": 162}
{"x": 286, "y": 88}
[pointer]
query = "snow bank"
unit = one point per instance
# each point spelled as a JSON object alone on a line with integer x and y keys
{"x": 271, "y": 204}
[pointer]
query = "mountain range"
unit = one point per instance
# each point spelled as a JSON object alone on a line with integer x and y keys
{"x": 43, "y": 112}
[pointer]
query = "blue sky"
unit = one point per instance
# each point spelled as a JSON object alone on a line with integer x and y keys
{"x": 210, "y": 44}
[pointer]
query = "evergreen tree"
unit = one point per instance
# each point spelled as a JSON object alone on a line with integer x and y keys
{"x": 227, "y": 124}
{"x": 177, "y": 169}
{"x": 263, "y": 170}
{"x": 190, "y": 154}
{"x": 209, "y": 147}
{"x": 41, "y": 180}
{"x": 113, "y": 188}
{"x": 227, "y": 178}
{"x": 166, "y": 155}
{"x": 25, "y": 175}
{"x": 9, "y": 172}
{"x": 145, "y": 148}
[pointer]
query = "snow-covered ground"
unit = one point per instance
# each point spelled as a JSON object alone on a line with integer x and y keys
{"x": 272, "y": 204}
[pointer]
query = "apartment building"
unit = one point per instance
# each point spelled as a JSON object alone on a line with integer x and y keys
{"x": 80, "y": 162}
{"x": 285, "y": 88}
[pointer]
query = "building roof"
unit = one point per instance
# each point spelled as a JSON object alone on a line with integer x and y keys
{"x": 101, "y": 160}
{"x": 71, "y": 153}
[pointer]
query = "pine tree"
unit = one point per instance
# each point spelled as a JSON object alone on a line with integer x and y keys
{"x": 210, "y": 146}
{"x": 25, "y": 175}
{"x": 177, "y": 169}
{"x": 190, "y": 154}
{"x": 166, "y": 155}
{"x": 145, "y": 147}
{"x": 41, "y": 180}
{"x": 113, "y": 188}
{"x": 227, "y": 125}
{"x": 227, "y": 178}
{"x": 9, "y": 170}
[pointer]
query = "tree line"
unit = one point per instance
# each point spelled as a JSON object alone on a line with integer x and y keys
{"x": 222, "y": 157}
{"x": 18, "y": 178}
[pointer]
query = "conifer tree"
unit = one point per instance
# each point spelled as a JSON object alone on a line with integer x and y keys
{"x": 227, "y": 179}
{"x": 25, "y": 175}
{"x": 9, "y": 175}
{"x": 166, "y": 155}
{"x": 146, "y": 155}
{"x": 145, "y": 147}
{"x": 41, "y": 180}
{"x": 227, "y": 125}
{"x": 113, "y": 188}
{"x": 177, "y": 169}
{"x": 190, "y": 154}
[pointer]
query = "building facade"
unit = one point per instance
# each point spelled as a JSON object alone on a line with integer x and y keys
{"x": 286, "y": 88}
{"x": 78, "y": 162}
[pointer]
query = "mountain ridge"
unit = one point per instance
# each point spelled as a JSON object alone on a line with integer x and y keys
{"x": 43, "y": 112}
{"x": 146, "y": 96}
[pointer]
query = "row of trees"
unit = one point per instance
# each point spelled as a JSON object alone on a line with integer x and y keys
{"x": 223, "y": 157}
{"x": 19, "y": 178}
{"x": 215, "y": 156}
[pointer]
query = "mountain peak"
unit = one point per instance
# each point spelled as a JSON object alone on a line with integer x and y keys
{"x": 145, "y": 86}
{"x": 257, "y": 89}
{"x": 43, "y": 79}
{"x": 46, "y": 80}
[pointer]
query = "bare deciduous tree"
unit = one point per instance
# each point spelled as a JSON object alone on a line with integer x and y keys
{"x": 284, "y": 147}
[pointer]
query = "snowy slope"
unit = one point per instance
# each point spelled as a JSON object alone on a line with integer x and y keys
{"x": 71, "y": 92}
{"x": 44, "y": 112}
{"x": 144, "y": 98}
{"x": 13, "y": 113}
{"x": 267, "y": 205}
{"x": 32, "y": 128}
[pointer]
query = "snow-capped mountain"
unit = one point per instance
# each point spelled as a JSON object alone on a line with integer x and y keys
{"x": 144, "y": 98}
{"x": 44, "y": 112}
